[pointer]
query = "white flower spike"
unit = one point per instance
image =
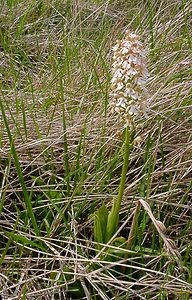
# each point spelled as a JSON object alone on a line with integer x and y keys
{"x": 129, "y": 76}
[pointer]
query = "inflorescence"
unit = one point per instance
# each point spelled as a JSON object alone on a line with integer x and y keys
{"x": 129, "y": 76}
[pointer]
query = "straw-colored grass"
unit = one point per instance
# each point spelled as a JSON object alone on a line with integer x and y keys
{"x": 61, "y": 152}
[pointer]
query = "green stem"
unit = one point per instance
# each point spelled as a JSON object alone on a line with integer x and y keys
{"x": 113, "y": 218}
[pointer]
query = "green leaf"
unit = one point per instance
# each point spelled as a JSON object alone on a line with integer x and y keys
{"x": 23, "y": 240}
{"x": 120, "y": 243}
{"x": 100, "y": 224}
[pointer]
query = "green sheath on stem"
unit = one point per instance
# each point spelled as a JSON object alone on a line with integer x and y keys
{"x": 113, "y": 217}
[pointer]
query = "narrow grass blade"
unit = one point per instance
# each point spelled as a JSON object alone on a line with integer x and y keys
{"x": 19, "y": 172}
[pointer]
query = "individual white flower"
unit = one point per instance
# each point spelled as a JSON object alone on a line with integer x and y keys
{"x": 133, "y": 110}
{"x": 145, "y": 73}
{"x": 119, "y": 86}
{"x": 126, "y": 65}
{"x": 114, "y": 48}
{"x": 133, "y": 59}
{"x": 132, "y": 71}
{"x": 133, "y": 36}
{"x": 127, "y": 44}
{"x": 127, "y": 77}
{"x": 118, "y": 73}
{"x": 132, "y": 94}
{"x": 122, "y": 102}
{"x": 124, "y": 50}
{"x": 140, "y": 81}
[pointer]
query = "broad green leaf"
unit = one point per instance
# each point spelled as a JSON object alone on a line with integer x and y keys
{"x": 100, "y": 224}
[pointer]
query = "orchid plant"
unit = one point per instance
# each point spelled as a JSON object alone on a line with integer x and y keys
{"x": 127, "y": 94}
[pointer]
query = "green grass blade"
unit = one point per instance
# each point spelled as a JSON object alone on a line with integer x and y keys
{"x": 19, "y": 172}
